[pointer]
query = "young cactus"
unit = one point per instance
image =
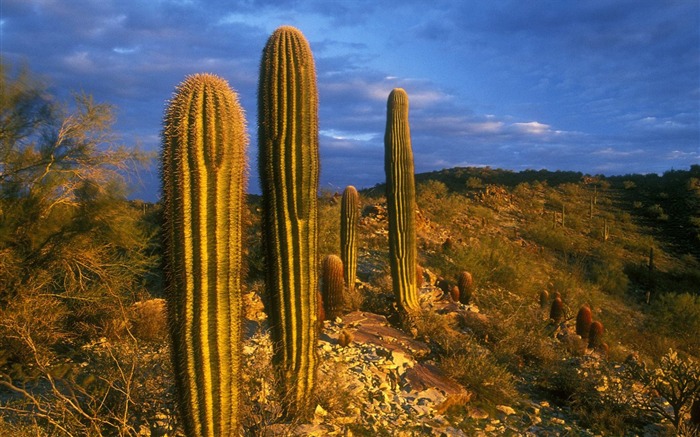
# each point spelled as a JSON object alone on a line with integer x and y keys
{"x": 595, "y": 335}
{"x": 556, "y": 312}
{"x": 332, "y": 285}
{"x": 289, "y": 167}
{"x": 401, "y": 202}
{"x": 466, "y": 287}
{"x": 584, "y": 319}
{"x": 544, "y": 298}
{"x": 204, "y": 184}
{"x": 349, "y": 212}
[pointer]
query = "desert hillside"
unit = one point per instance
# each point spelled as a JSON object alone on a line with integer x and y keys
{"x": 93, "y": 359}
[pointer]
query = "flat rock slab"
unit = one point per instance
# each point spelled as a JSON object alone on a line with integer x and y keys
{"x": 370, "y": 328}
{"x": 375, "y": 329}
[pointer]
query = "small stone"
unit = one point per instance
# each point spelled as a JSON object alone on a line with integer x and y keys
{"x": 489, "y": 428}
{"x": 544, "y": 404}
{"x": 557, "y": 420}
{"x": 477, "y": 413}
{"x": 508, "y": 411}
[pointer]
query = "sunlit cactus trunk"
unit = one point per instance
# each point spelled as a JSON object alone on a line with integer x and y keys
{"x": 401, "y": 201}
{"x": 204, "y": 181}
{"x": 289, "y": 167}
{"x": 349, "y": 212}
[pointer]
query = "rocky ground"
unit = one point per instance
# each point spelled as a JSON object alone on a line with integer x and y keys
{"x": 391, "y": 387}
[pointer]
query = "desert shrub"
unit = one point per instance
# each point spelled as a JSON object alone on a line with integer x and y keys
{"x": 678, "y": 316}
{"x": 674, "y": 381}
{"x": 610, "y": 276}
{"x": 476, "y": 368}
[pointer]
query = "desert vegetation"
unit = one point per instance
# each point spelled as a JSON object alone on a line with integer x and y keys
{"x": 203, "y": 314}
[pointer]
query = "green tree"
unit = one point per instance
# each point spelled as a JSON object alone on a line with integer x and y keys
{"x": 69, "y": 239}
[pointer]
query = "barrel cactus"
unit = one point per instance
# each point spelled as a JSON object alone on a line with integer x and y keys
{"x": 349, "y": 214}
{"x": 595, "y": 335}
{"x": 556, "y": 312}
{"x": 465, "y": 282}
{"x": 289, "y": 167}
{"x": 544, "y": 298}
{"x": 204, "y": 184}
{"x": 401, "y": 201}
{"x": 332, "y": 285}
{"x": 584, "y": 318}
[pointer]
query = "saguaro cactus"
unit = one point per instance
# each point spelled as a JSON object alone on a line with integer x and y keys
{"x": 288, "y": 160}
{"x": 332, "y": 285}
{"x": 204, "y": 180}
{"x": 401, "y": 201}
{"x": 349, "y": 212}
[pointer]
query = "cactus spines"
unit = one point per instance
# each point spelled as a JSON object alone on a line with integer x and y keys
{"x": 349, "y": 213}
{"x": 289, "y": 167}
{"x": 595, "y": 335}
{"x": 401, "y": 201}
{"x": 544, "y": 298}
{"x": 556, "y": 311}
{"x": 332, "y": 285}
{"x": 584, "y": 318}
{"x": 204, "y": 181}
{"x": 466, "y": 287}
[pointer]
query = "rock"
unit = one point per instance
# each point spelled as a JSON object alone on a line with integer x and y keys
{"x": 508, "y": 411}
{"x": 477, "y": 413}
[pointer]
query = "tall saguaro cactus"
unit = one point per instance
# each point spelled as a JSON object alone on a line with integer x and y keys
{"x": 349, "y": 212}
{"x": 401, "y": 201}
{"x": 288, "y": 160}
{"x": 204, "y": 181}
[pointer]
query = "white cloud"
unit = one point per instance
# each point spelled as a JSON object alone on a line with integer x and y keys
{"x": 532, "y": 127}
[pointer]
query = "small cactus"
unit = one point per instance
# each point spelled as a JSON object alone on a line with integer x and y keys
{"x": 595, "y": 335}
{"x": 332, "y": 285}
{"x": 345, "y": 338}
{"x": 419, "y": 276}
{"x": 465, "y": 282}
{"x": 556, "y": 312}
{"x": 349, "y": 214}
{"x": 544, "y": 298}
{"x": 584, "y": 319}
{"x": 455, "y": 293}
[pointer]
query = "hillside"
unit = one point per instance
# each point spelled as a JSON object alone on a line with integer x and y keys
{"x": 495, "y": 366}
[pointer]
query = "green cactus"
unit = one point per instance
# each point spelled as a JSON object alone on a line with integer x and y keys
{"x": 349, "y": 212}
{"x": 289, "y": 167}
{"x": 466, "y": 287}
{"x": 332, "y": 285}
{"x": 204, "y": 184}
{"x": 584, "y": 318}
{"x": 401, "y": 201}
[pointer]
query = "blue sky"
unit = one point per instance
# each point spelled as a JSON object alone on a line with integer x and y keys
{"x": 597, "y": 86}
